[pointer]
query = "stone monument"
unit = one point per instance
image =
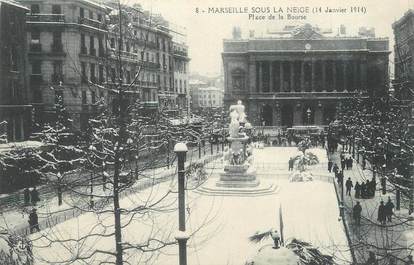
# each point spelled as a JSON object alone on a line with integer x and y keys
{"x": 238, "y": 168}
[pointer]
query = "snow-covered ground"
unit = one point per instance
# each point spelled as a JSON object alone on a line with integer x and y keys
{"x": 220, "y": 225}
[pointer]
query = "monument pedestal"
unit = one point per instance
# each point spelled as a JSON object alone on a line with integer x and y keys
{"x": 238, "y": 176}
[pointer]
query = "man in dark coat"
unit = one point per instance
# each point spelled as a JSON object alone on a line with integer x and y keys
{"x": 342, "y": 163}
{"x": 348, "y": 185}
{"x": 330, "y": 164}
{"x": 335, "y": 168}
{"x": 363, "y": 190}
{"x": 357, "y": 190}
{"x": 373, "y": 184}
{"x": 389, "y": 209}
{"x": 34, "y": 196}
{"x": 291, "y": 161}
{"x": 381, "y": 213}
{"x": 26, "y": 195}
{"x": 33, "y": 221}
{"x": 372, "y": 259}
{"x": 356, "y": 212}
{"x": 341, "y": 177}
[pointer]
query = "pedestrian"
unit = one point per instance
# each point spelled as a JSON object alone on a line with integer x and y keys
{"x": 335, "y": 168}
{"x": 373, "y": 187}
{"x": 34, "y": 196}
{"x": 276, "y": 239}
{"x": 364, "y": 164}
{"x": 381, "y": 213}
{"x": 330, "y": 163}
{"x": 389, "y": 209}
{"x": 291, "y": 161}
{"x": 351, "y": 162}
{"x": 363, "y": 190}
{"x": 384, "y": 185}
{"x": 33, "y": 221}
{"x": 356, "y": 212}
{"x": 343, "y": 163}
{"x": 341, "y": 178}
{"x": 357, "y": 190}
{"x": 372, "y": 259}
{"x": 349, "y": 186}
{"x": 26, "y": 195}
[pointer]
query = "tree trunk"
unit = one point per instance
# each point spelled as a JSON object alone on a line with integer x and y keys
{"x": 59, "y": 193}
{"x": 117, "y": 214}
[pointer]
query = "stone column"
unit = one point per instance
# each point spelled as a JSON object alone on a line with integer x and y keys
{"x": 356, "y": 79}
{"x": 364, "y": 76}
{"x": 334, "y": 75}
{"x": 324, "y": 76}
{"x": 252, "y": 77}
{"x": 313, "y": 76}
{"x": 260, "y": 77}
{"x": 345, "y": 66}
{"x": 281, "y": 76}
{"x": 271, "y": 88}
{"x": 292, "y": 76}
{"x": 302, "y": 76}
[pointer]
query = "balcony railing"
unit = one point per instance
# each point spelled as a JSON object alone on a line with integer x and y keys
{"x": 45, "y": 18}
{"x": 35, "y": 47}
{"x": 57, "y": 47}
{"x": 92, "y": 23}
{"x": 181, "y": 53}
{"x": 57, "y": 78}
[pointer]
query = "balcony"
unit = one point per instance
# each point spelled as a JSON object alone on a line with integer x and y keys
{"x": 57, "y": 18}
{"x": 92, "y": 23}
{"x": 151, "y": 65}
{"x": 57, "y": 78}
{"x": 56, "y": 47}
{"x": 35, "y": 47}
{"x": 150, "y": 104}
{"x": 180, "y": 53}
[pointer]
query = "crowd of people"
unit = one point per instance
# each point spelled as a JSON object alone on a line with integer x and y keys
{"x": 31, "y": 197}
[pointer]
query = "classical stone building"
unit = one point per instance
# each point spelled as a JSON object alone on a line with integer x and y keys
{"x": 181, "y": 75}
{"x": 15, "y": 110}
{"x": 300, "y": 77}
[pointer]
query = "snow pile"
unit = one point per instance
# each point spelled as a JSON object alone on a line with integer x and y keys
{"x": 271, "y": 256}
{"x": 303, "y": 176}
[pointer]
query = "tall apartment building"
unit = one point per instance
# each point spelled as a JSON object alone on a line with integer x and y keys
{"x": 74, "y": 49}
{"x": 181, "y": 76}
{"x": 15, "y": 109}
{"x": 403, "y": 62}
{"x": 66, "y": 42}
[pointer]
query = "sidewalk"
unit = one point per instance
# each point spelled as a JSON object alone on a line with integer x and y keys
{"x": 15, "y": 220}
{"x": 387, "y": 241}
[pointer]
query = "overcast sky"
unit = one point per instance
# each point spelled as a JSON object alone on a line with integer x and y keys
{"x": 205, "y": 32}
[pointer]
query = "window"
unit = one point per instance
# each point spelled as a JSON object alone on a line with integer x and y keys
{"x": 35, "y": 34}
{"x": 93, "y": 97}
{"x": 92, "y": 50}
{"x": 36, "y": 67}
{"x": 100, "y": 17}
{"x": 84, "y": 99}
{"x": 83, "y": 46}
{"x": 147, "y": 56}
{"x": 112, "y": 43}
{"x": 101, "y": 74}
{"x": 92, "y": 72}
{"x": 83, "y": 72}
{"x": 56, "y": 9}
{"x": 34, "y": 9}
{"x": 127, "y": 46}
{"x": 90, "y": 14}
{"x": 82, "y": 12}
{"x": 128, "y": 77}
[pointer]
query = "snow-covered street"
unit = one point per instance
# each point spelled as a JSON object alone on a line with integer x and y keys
{"x": 220, "y": 225}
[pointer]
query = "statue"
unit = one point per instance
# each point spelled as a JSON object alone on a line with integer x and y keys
{"x": 238, "y": 117}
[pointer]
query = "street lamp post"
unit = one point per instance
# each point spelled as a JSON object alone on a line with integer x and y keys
{"x": 181, "y": 150}
{"x": 411, "y": 172}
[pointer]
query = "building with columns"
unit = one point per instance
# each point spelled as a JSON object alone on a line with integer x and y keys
{"x": 300, "y": 77}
